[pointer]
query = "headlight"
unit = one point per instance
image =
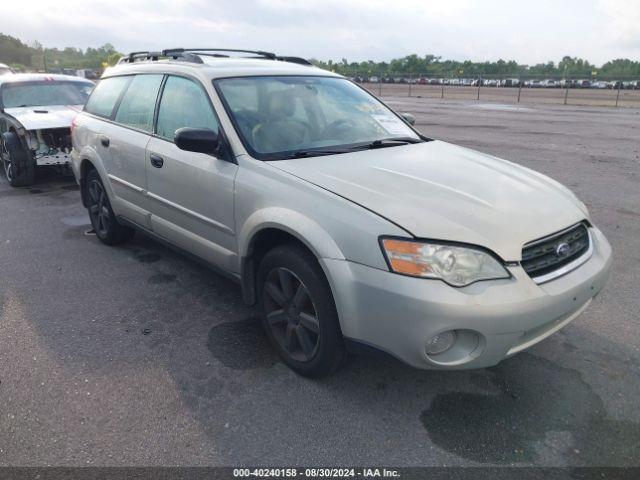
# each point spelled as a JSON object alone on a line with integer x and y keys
{"x": 456, "y": 265}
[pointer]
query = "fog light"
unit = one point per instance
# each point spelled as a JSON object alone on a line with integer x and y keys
{"x": 440, "y": 343}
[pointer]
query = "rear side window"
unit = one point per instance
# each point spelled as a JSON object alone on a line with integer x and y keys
{"x": 104, "y": 97}
{"x": 139, "y": 102}
{"x": 184, "y": 103}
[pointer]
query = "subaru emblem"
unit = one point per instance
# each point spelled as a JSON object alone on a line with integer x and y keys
{"x": 562, "y": 250}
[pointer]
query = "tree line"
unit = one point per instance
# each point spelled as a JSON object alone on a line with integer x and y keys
{"x": 432, "y": 65}
{"x": 21, "y": 56}
{"x": 37, "y": 57}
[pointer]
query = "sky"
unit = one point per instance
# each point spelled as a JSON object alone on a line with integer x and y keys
{"x": 529, "y": 32}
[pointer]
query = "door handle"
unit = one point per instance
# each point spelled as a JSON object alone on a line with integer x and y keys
{"x": 156, "y": 160}
{"x": 104, "y": 141}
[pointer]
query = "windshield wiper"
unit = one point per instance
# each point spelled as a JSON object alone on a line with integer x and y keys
{"x": 385, "y": 142}
{"x": 392, "y": 142}
{"x": 316, "y": 152}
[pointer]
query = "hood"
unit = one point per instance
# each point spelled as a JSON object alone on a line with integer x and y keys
{"x": 37, "y": 118}
{"x": 435, "y": 190}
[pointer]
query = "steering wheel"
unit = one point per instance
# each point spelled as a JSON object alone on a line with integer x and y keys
{"x": 336, "y": 128}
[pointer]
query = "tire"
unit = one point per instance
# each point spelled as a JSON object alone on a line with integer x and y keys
{"x": 18, "y": 166}
{"x": 298, "y": 312}
{"x": 103, "y": 220}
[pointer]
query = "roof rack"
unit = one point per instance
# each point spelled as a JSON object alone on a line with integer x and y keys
{"x": 193, "y": 55}
{"x": 178, "y": 51}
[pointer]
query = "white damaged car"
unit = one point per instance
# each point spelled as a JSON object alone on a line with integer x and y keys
{"x": 36, "y": 112}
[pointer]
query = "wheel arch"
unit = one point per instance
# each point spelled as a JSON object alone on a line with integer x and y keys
{"x": 283, "y": 226}
{"x": 88, "y": 159}
{"x": 85, "y": 165}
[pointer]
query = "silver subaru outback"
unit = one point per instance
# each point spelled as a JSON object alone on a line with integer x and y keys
{"x": 347, "y": 229}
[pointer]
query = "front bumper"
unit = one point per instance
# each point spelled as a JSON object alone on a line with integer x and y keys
{"x": 75, "y": 164}
{"x": 60, "y": 158}
{"x": 492, "y": 319}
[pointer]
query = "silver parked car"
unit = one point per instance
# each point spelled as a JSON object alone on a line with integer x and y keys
{"x": 346, "y": 228}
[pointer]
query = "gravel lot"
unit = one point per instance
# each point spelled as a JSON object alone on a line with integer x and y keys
{"x": 554, "y": 96}
{"x": 135, "y": 355}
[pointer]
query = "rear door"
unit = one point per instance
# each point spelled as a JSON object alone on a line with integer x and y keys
{"x": 190, "y": 194}
{"x": 92, "y": 126}
{"x": 127, "y": 140}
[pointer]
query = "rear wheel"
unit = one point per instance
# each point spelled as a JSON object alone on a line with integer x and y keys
{"x": 298, "y": 311}
{"x": 103, "y": 220}
{"x": 19, "y": 167}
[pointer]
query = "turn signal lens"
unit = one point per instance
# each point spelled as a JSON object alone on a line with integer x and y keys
{"x": 457, "y": 265}
{"x": 404, "y": 257}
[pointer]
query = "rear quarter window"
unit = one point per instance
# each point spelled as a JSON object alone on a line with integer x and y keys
{"x": 105, "y": 95}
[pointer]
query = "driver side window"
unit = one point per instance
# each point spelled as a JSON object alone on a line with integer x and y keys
{"x": 184, "y": 103}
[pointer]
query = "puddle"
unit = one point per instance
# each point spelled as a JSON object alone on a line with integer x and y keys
{"x": 146, "y": 257}
{"x": 241, "y": 345}
{"x": 527, "y": 400}
{"x": 76, "y": 220}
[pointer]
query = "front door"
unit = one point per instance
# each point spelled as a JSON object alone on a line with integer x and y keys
{"x": 190, "y": 194}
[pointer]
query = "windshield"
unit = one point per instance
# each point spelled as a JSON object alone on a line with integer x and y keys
{"x": 278, "y": 116}
{"x": 45, "y": 93}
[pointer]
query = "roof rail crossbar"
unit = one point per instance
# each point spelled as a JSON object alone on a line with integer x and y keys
{"x": 173, "y": 51}
{"x": 301, "y": 61}
{"x": 133, "y": 56}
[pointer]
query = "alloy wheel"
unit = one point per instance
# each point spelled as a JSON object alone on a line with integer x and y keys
{"x": 6, "y": 162}
{"x": 291, "y": 315}
{"x": 98, "y": 208}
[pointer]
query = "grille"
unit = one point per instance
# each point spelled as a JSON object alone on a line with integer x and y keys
{"x": 545, "y": 256}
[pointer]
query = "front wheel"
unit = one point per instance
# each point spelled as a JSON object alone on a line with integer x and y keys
{"x": 298, "y": 312}
{"x": 18, "y": 165}
{"x": 103, "y": 220}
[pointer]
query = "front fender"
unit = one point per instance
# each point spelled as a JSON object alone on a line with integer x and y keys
{"x": 295, "y": 223}
{"x": 299, "y": 226}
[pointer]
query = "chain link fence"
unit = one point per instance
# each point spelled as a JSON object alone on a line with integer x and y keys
{"x": 613, "y": 92}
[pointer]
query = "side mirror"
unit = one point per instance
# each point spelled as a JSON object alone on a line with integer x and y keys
{"x": 201, "y": 140}
{"x": 410, "y": 119}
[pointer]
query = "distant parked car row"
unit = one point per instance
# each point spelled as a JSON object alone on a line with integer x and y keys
{"x": 504, "y": 82}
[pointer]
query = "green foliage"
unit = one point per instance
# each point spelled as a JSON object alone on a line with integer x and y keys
{"x": 621, "y": 67}
{"x": 37, "y": 57}
{"x": 13, "y": 50}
